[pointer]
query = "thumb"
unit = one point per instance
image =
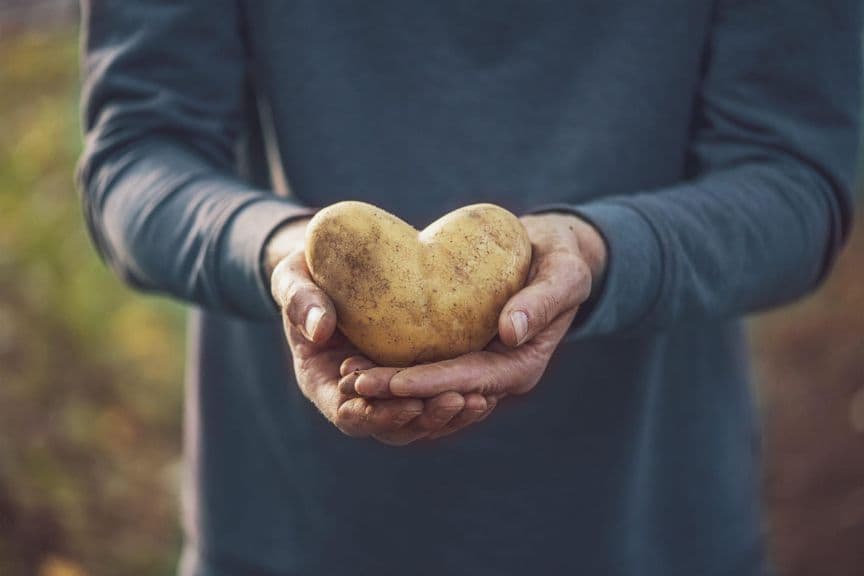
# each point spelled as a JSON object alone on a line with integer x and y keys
{"x": 304, "y": 305}
{"x": 562, "y": 283}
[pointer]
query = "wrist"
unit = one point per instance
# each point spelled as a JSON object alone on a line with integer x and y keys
{"x": 593, "y": 248}
{"x": 284, "y": 241}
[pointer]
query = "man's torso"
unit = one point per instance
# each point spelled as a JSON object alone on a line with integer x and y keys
{"x": 634, "y": 455}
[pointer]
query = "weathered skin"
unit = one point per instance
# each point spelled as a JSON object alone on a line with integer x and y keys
{"x": 404, "y": 297}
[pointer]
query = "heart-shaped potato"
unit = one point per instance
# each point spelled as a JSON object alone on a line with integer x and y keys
{"x": 404, "y": 297}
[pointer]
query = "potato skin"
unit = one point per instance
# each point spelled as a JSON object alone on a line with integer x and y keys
{"x": 404, "y": 297}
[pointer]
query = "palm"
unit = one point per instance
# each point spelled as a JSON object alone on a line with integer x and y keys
{"x": 317, "y": 365}
{"x": 530, "y": 359}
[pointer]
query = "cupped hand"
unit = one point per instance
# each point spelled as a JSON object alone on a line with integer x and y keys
{"x": 322, "y": 356}
{"x": 568, "y": 258}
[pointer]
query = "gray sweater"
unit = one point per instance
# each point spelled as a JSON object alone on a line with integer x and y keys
{"x": 711, "y": 142}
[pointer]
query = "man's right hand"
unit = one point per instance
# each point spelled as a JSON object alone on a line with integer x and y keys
{"x": 323, "y": 356}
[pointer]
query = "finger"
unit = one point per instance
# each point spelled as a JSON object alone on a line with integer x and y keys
{"x": 375, "y": 382}
{"x": 562, "y": 282}
{"x": 481, "y": 372}
{"x": 304, "y": 305}
{"x": 437, "y": 413}
{"x": 346, "y": 384}
{"x": 491, "y": 404}
{"x": 476, "y": 407}
{"x": 360, "y": 417}
{"x": 355, "y": 363}
{"x": 350, "y": 370}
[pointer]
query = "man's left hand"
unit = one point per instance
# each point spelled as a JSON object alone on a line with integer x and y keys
{"x": 569, "y": 257}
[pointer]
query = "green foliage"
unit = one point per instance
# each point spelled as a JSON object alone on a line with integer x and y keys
{"x": 90, "y": 374}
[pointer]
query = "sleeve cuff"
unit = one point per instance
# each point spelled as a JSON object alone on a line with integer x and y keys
{"x": 240, "y": 273}
{"x": 634, "y": 267}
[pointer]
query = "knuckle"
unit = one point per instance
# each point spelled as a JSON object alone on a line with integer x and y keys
{"x": 365, "y": 416}
{"x": 576, "y": 266}
{"x": 348, "y": 422}
{"x": 281, "y": 278}
{"x": 295, "y": 264}
{"x": 487, "y": 383}
{"x": 582, "y": 279}
{"x": 567, "y": 260}
{"x": 549, "y": 305}
{"x": 296, "y": 298}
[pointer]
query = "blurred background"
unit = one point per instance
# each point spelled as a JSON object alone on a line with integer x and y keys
{"x": 91, "y": 374}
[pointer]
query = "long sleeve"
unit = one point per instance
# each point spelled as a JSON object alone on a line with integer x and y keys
{"x": 163, "y": 107}
{"x": 773, "y": 156}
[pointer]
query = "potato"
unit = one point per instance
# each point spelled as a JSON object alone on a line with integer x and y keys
{"x": 404, "y": 297}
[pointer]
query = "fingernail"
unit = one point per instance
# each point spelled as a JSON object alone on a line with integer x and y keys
{"x": 519, "y": 320}
{"x": 313, "y": 318}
